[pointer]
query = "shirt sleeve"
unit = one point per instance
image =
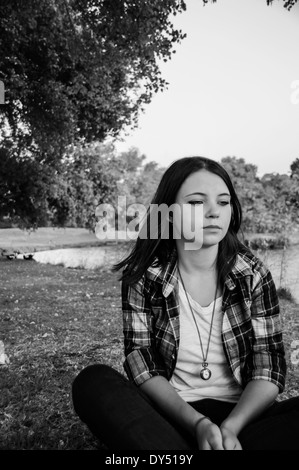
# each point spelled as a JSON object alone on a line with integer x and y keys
{"x": 268, "y": 358}
{"x": 141, "y": 359}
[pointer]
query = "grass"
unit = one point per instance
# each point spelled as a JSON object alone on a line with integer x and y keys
{"x": 54, "y": 321}
{"x": 45, "y": 238}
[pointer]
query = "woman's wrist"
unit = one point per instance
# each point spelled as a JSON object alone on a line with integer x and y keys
{"x": 199, "y": 420}
{"x": 231, "y": 425}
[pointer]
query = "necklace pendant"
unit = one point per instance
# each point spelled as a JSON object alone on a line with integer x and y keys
{"x": 205, "y": 373}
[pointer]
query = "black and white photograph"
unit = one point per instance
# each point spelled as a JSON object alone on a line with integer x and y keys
{"x": 149, "y": 228}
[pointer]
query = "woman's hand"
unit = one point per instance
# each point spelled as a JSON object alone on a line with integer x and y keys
{"x": 229, "y": 439}
{"x": 208, "y": 435}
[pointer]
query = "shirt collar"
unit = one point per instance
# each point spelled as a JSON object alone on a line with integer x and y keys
{"x": 167, "y": 276}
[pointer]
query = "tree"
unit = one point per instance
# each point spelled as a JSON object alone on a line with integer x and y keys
{"x": 147, "y": 182}
{"x": 80, "y": 69}
{"x": 91, "y": 173}
{"x": 294, "y": 192}
{"x": 75, "y": 72}
{"x": 35, "y": 194}
{"x": 132, "y": 160}
{"x": 26, "y": 187}
{"x": 281, "y": 214}
{"x": 295, "y": 168}
{"x": 249, "y": 191}
{"x": 269, "y": 204}
{"x": 288, "y": 4}
{"x": 139, "y": 180}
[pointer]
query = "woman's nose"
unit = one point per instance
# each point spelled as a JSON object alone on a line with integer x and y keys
{"x": 213, "y": 210}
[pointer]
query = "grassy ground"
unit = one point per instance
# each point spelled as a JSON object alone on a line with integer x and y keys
{"x": 54, "y": 321}
{"x": 45, "y": 238}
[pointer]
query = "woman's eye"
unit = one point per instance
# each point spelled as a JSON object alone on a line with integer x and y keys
{"x": 222, "y": 203}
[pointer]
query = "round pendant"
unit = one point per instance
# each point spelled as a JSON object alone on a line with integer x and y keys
{"x": 205, "y": 374}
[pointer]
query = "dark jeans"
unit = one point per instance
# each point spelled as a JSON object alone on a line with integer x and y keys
{"x": 122, "y": 417}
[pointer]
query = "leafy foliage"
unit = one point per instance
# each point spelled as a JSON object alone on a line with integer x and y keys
{"x": 25, "y": 186}
{"x": 91, "y": 173}
{"x": 270, "y": 203}
{"x": 147, "y": 182}
{"x": 281, "y": 202}
{"x": 81, "y": 69}
{"x": 36, "y": 194}
{"x": 249, "y": 191}
{"x": 295, "y": 168}
{"x": 140, "y": 179}
{"x": 288, "y": 4}
{"x": 75, "y": 72}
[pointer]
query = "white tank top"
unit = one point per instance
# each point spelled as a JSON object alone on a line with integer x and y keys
{"x": 186, "y": 377}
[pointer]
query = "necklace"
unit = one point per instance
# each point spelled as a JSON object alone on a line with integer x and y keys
{"x": 205, "y": 372}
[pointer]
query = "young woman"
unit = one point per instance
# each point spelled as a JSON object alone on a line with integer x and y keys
{"x": 204, "y": 352}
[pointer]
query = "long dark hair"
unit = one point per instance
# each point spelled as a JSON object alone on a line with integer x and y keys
{"x": 148, "y": 251}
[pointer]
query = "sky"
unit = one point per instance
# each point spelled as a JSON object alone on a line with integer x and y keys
{"x": 233, "y": 88}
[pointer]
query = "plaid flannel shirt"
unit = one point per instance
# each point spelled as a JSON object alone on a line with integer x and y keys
{"x": 251, "y": 330}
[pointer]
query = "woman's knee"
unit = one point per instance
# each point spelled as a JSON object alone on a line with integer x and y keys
{"x": 90, "y": 381}
{"x": 92, "y": 373}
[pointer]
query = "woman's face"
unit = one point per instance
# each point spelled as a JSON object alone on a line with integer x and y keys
{"x": 206, "y": 210}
